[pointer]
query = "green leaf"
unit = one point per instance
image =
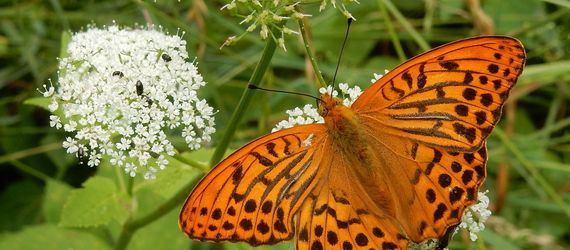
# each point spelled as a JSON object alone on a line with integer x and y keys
{"x": 56, "y": 194}
{"x": 48, "y": 236}
{"x": 497, "y": 241}
{"x": 95, "y": 204}
{"x": 170, "y": 180}
{"x": 42, "y": 102}
{"x": 162, "y": 233}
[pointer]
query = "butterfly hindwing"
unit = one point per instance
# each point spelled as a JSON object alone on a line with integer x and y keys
{"x": 450, "y": 97}
{"x": 432, "y": 186}
{"x": 253, "y": 194}
{"x": 336, "y": 216}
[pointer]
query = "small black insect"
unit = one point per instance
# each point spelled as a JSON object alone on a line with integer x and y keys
{"x": 148, "y": 100}
{"x": 166, "y": 58}
{"x": 81, "y": 156}
{"x": 118, "y": 73}
{"x": 140, "y": 89}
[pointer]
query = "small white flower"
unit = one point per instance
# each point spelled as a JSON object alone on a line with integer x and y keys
{"x": 475, "y": 216}
{"x": 54, "y": 122}
{"x": 71, "y": 145}
{"x": 53, "y": 105}
{"x": 48, "y": 92}
{"x": 121, "y": 91}
{"x": 473, "y": 221}
{"x": 378, "y": 76}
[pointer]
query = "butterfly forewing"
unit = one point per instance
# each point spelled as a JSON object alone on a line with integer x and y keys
{"x": 450, "y": 97}
{"x": 253, "y": 194}
{"x": 428, "y": 120}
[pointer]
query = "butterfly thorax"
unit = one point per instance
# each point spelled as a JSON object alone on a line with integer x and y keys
{"x": 344, "y": 127}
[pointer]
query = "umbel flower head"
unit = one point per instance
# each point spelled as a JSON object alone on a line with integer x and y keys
{"x": 269, "y": 17}
{"x": 475, "y": 216}
{"x": 123, "y": 92}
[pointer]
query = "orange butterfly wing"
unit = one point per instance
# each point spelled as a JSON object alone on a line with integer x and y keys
{"x": 424, "y": 127}
{"x": 339, "y": 214}
{"x": 450, "y": 97}
{"x": 429, "y": 119}
{"x": 254, "y": 193}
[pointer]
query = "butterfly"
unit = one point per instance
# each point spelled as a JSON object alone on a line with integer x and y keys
{"x": 400, "y": 164}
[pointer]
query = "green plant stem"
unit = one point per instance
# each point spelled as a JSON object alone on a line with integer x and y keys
{"x": 31, "y": 171}
{"x": 310, "y": 54}
{"x": 132, "y": 225}
{"x": 258, "y": 73}
{"x": 406, "y": 25}
{"x": 195, "y": 164}
{"x": 533, "y": 171}
{"x": 29, "y": 152}
{"x": 392, "y": 32}
{"x": 121, "y": 179}
{"x": 130, "y": 183}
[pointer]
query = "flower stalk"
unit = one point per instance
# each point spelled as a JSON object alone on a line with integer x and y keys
{"x": 132, "y": 225}
{"x": 310, "y": 54}
{"x": 243, "y": 104}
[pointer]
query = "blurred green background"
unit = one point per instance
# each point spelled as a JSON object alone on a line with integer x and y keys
{"x": 529, "y": 166}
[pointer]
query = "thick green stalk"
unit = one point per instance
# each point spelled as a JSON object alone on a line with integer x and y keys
{"x": 29, "y": 152}
{"x": 310, "y": 54}
{"x": 132, "y": 225}
{"x": 258, "y": 73}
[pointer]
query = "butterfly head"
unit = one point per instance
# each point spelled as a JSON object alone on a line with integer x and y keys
{"x": 327, "y": 104}
{"x": 333, "y": 110}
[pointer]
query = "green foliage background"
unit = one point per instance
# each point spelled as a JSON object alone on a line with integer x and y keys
{"x": 49, "y": 201}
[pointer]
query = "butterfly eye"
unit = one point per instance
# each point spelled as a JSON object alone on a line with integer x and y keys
{"x": 118, "y": 73}
{"x": 166, "y": 58}
{"x": 322, "y": 109}
{"x": 140, "y": 89}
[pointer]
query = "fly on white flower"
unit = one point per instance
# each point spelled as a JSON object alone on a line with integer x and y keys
{"x": 122, "y": 91}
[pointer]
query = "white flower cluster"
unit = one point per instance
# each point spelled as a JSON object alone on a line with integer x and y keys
{"x": 270, "y": 17}
{"x": 310, "y": 114}
{"x": 475, "y": 216}
{"x": 473, "y": 221}
{"x": 122, "y": 92}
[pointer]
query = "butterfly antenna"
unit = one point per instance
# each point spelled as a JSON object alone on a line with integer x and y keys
{"x": 251, "y": 86}
{"x": 341, "y": 50}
